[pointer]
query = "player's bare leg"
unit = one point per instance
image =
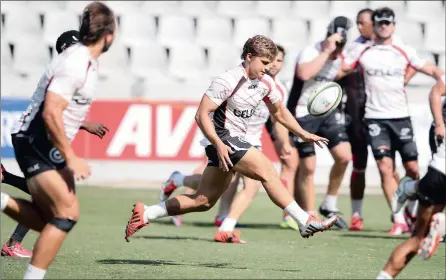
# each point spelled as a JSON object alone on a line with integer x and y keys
{"x": 402, "y": 255}
{"x": 389, "y": 185}
{"x": 342, "y": 156}
{"x": 54, "y": 192}
{"x": 22, "y": 211}
{"x": 305, "y": 192}
{"x": 226, "y": 200}
{"x": 213, "y": 183}
{"x": 238, "y": 207}
{"x": 257, "y": 166}
{"x": 288, "y": 171}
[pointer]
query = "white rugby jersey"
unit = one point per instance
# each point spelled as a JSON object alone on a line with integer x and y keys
{"x": 73, "y": 75}
{"x": 237, "y": 98}
{"x": 327, "y": 74}
{"x": 384, "y": 68}
{"x": 260, "y": 117}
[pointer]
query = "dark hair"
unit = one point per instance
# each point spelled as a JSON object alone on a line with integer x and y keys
{"x": 281, "y": 49}
{"x": 97, "y": 21}
{"x": 383, "y": 12}
{"x": 260, "y": 45}
{"x": 366, "y": 10}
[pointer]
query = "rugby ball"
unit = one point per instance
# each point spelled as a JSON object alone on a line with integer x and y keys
{"x": 324, "y": 99}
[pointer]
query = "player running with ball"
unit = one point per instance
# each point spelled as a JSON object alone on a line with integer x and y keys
{"x": 431, "y": 194}
{"x": 232, "y": 98}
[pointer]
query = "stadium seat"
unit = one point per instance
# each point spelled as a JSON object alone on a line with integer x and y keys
{"x": 213, "y": 31}
{"x": 318, "y": 30}
{"x": 13, "y": 85}
{"x": 198, "y": 8}
{"x": 25, "y": 23}
{"x": 77, "y": 7}
{"x": 6, "y": 58}
{"x": 290, "y": 32}
{"x": 235, "y": 9}
{"x": 411, "y": 33}
{"x": 121, "y": 8}
{"x": 8, "y": 7}
{"x": 399, "y": 7}
{"x": 115, "y": 61}
{"x": 148, "y": 61}
{"x": 160, "y": 8}
{"x": 346, "y": 8}
{"x": 187, "y": 62}
{"x": 176, "y": 30}
{"x": 245, "y": 28}
{"x": 115, "y": 87}
{"x": 222, "y": 58}
{"x": 137, "y": 29}
{"x": 57, "y": 23}
{"x": 26, "y": 62}
{"x": 310, "y": 9}
{"x": 45, "y": 7}
{"x": 425, "y": 11}
{"x": 274, "y": 9}
{"x": 435, "y": 37}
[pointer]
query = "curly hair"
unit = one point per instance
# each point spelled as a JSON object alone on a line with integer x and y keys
{"x": 260, "y": 45}
{"x": 97, "y": 21}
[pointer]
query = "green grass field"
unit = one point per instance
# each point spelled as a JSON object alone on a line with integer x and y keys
{"x": 96, "y": 247}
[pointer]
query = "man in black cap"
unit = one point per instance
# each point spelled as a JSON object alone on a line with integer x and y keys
{"x": 389, "y": 128}
{"x": 13, "y": 247}
{"x": 318, "y": 64}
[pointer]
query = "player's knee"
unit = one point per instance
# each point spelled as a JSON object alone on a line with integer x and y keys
{"x": 203, "y": 203}
{"x": 64, "y": 224}
{"x": 413, "y": 172}
{"x": 307, "y": 169}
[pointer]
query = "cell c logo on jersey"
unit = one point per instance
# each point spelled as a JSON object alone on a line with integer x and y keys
{"x": 55, "y": 156}
{"x": 374, "y": 129}
{"x": 397, "y": 72}
{"x": 244, "y": 114}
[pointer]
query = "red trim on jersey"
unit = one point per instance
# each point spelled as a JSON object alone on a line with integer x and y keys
{"x": 400, "y": 50}
{"x": 281, "y": 91}
{"x": 355, "y": 64}
{"x": 266, "y": 98}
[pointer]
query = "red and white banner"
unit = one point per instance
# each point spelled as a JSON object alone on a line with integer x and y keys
{"x": 147, "y": 130}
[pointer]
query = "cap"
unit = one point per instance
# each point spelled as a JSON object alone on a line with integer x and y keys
{"x": 66, "y": 39}
{"x": 384, "y": 14}
{"x": 340, "y": 25}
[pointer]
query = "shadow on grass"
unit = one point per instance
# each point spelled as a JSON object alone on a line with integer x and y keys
{"x": 159, "y": 237}
{"x": 210, "y": 224}
{"x": 366, "y": 236}
{"x": 160, "y": 262}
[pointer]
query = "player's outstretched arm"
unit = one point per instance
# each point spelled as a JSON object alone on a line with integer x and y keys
{"x": 431, "y": 70}
{"x": 282, "y": 115}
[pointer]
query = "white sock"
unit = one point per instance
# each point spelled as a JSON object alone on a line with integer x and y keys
{"x": 33, "y": 272}
{"x": 399, "y": 217}
{"x": 330, "y": 202}
{"x": 178, "y": 180}
{"x": 412, "y": 207}
{"x": 299, "y": 215}
{"x": 4, "y": 201}
{"x": 356, "y": 207}
{"x": 155, "y": 212}
{"x": 228, "y": 225}
{"x": 384, "y": 275}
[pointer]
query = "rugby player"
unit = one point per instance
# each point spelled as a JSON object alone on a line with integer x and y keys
{"x": 389, "y": 128}
{"x": 42, "y": 140}
{"x": 232, "y": 98}
{"x": 431, "y": 194}
{"x": 13, "y": 247}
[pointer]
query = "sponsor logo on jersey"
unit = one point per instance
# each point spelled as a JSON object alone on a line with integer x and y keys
{"x": 244, "y": 114}
{"x": 376, "y": 72}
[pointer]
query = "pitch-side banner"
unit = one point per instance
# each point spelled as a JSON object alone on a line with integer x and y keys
{"x": 146, "y": 130}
